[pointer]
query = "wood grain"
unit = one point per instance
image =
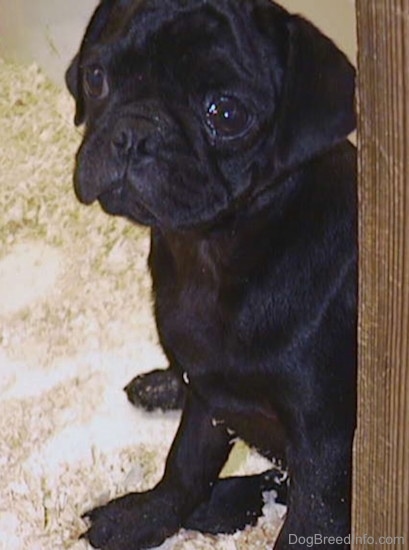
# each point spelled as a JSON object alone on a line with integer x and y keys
{"x": 381, "y": 469}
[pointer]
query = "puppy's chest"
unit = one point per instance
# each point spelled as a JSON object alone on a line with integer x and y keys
{"x": 193, "y": 318}
{"x": 191, "y": 321}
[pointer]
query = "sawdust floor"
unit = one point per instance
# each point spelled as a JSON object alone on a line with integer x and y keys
{"x": 75, "y": 327}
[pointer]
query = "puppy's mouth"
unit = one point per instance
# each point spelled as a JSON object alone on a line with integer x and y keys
{"x": 117, "y": 202}
{"x": 112, "y": 200}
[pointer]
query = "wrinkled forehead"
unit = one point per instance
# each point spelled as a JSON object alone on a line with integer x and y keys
{"x": 219, "y": 43}
{"x": 143, "y": 18}
{"x": 136, "y": 24}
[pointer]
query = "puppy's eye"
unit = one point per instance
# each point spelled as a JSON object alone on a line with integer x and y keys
{"x": 227, "y": 116}
{"x": 95, "y": 82}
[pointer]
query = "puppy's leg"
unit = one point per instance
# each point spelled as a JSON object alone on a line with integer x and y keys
{"x": 319, "y": 461}
{"x": 236, "y": 502}
{"x": 143, "y": 520}
{"x": 158, "y": 389}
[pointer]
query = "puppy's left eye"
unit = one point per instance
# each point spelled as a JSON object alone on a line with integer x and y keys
{"x": 227, "y": 116}
{"x": 95, "y": 82}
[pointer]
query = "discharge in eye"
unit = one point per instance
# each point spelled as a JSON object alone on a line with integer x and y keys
{"x": 95, "y": 82}
{"x": 227, "y": 116}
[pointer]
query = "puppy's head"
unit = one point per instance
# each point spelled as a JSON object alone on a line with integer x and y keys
{"x": 193, "y": 107}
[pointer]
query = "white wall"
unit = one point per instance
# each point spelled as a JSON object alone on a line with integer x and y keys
{"x": 335, "y": 17}
{"x": 45, "y": 31}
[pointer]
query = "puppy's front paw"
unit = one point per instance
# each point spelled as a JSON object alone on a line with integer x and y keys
{"x": 134, "y": 522}
{"x": 158, "y": 389}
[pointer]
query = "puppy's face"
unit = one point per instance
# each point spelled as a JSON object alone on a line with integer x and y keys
{"x": 192, "y": 108}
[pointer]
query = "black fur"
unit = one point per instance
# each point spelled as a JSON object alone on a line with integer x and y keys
{"x": 223, "y": 124}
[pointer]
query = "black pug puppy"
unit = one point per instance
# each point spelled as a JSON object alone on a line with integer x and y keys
{"x": 222, "y": 125}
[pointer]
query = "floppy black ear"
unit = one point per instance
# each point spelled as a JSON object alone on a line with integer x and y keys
{"x": 71, "y": 77}
{"x": 72, "y": 80}
{"x": 317, "y": 105}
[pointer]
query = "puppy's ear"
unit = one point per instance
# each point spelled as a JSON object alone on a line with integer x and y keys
{"x": 316, "y": 108}
{"x": 71, "y": 77}
{"x": 72, "y": 80}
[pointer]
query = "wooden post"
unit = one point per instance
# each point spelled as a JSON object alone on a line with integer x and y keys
{"x": 381, "y": 469}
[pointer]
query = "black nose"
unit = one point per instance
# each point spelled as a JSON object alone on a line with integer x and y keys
{"x": 134, "y": 135}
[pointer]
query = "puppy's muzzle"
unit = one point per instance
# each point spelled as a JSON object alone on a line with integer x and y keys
{"x": 133, "y": 140}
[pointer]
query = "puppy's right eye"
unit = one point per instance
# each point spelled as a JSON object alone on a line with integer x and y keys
{"x": 95, "y": 82}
